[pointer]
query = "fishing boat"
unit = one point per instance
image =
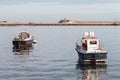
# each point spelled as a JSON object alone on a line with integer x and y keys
{"x": 90, "y": 49}
{"x": 24, "y": 41}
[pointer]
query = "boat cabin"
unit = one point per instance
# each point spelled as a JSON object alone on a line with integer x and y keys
{"x": 90, "y": 42}
{"x": 24, "y": 35}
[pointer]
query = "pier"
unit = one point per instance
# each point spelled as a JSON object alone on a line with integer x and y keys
{"x": 75, "y": 23}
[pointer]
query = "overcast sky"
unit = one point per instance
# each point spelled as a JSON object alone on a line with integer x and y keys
{"x": 54, "y": 10}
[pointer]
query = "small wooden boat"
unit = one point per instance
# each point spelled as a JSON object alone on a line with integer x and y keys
{"x": 24, "y": 41}
{"x": 90, "y": 50}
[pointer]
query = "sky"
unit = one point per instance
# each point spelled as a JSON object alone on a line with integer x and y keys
{"x": 55, "y": 10}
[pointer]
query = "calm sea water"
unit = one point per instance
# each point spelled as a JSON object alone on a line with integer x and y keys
{"x": 54, "y": 57}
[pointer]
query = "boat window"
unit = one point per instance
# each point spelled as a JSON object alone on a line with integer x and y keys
{"x": 93, "y": 42}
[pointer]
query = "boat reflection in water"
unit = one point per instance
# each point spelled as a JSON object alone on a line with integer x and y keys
{"x": 25, "y": 51}
{"x": 92, "y": 71}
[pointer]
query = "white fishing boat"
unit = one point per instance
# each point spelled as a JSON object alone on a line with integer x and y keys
{"x": 90, "y": 50}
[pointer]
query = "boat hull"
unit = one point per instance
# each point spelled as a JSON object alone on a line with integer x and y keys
{"x": 22, "y": 44}
{"x": 92, "y": 57}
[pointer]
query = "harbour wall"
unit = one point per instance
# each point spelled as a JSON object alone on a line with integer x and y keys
{"x": 80, "y": 23}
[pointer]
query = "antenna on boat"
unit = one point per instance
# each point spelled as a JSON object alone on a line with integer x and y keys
{"x": 25, "y": 30}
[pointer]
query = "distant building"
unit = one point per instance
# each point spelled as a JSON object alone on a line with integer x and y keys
{"x": 64, "y": 21}
{"x": 3, "y": 21}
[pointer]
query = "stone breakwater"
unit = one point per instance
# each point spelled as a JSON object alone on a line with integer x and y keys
{"x": 80, "y": 23}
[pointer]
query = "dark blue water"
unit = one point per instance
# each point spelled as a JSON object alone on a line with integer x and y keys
{"x": 54, "y": 57}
